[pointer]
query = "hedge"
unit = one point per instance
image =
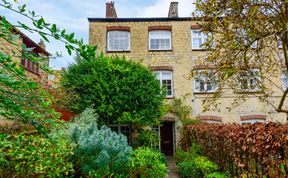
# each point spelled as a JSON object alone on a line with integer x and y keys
{"x": 256, "y": 150}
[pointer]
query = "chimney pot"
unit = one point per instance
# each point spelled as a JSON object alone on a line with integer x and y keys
{"x": 41, "y": 44}
{"x": 110, "y": 10}
{"x": 173, "y": 10}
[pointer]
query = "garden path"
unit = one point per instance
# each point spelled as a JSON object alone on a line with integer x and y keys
{"x": 173, "y": 171}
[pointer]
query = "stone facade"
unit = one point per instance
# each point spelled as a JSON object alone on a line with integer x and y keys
{"x": 181, "y": 60}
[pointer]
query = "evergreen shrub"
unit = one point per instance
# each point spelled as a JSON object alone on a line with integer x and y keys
{"x": 34, "y": 156}
{"x": 147, "y": 163}
{"x": 101, "y": 152}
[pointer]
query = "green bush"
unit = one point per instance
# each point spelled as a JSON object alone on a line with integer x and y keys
{"x": 189, "y": 169}
{"x": 85, "y": 118}
{"x": 147, "y": 138}
{"x": 147, "y": 163}
{"x": 217, "y": 175}
{"x": 120, "y": 90}
{"x": 191, "y": 164}
{"x": 197, "y": 167}
{"x": 34, "y": 155}
{"x": 205, "y": 165}
{"x": 182, "y": 155}
{"x": 100, "y": 152}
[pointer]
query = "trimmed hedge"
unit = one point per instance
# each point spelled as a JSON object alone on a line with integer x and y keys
{"x": 251, "y": 150}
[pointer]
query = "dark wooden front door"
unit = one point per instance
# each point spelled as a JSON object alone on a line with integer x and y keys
{"x": 167, "y": 141}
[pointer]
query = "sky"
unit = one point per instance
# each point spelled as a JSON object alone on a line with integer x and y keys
{"x": 72, "y": 15}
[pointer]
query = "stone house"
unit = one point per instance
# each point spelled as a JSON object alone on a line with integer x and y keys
{"x": 32, "y": 69}
{"x": 169, "y": 47}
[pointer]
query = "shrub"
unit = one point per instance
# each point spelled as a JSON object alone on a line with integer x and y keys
{"x": 120, "y": 91}
{"x": 192, "y": 164}
{"x": 254, "y": 150}
{"x": 82, "y": 121}
{"x": 217, "y": 175}
{"x": 100, "y": 152}
{"x": 198, "y": 166}
{"x": 33, "y": 156}
{"x": 188, "y": 169}
{"x": 205, "y": 165}
{"x": 88, "y": 116}
{"x": 182, "y": 155}
{"x": 147, "y": 163}
{"x": 147, "y": 138}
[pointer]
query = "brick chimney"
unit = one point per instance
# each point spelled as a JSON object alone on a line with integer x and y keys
{"x": 41, "y": 44}
{"x": 110, "y": 10}
{"x": 173, "y": 10}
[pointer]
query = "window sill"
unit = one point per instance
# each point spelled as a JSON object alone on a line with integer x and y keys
{"x": 250, "y": 92}
{"x": 169, "y": 97}
{"x": 159, "y": 50}
{"x": 123, "y": 51}
{"x": 201, "y": 49}
{"x": 204, "y": 92}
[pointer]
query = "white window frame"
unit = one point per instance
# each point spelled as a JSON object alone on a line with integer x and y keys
{"x": 284, "y": 77}
{"x": 154, "y": 32}
{"x": 117, "y": 31}
{"x": 252, "y": 121}
{"x": 160, "y": 78}
{"x": 202, "y": 36}
{"x": 205, "y": 83}
{"x": 156, "y": 129}
{"x": 250, "y": 87}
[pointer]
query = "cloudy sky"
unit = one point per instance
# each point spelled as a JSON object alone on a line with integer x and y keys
{"x": 72, "y": 16}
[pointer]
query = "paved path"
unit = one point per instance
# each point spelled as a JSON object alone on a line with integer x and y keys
{"x": 173, "y": 171}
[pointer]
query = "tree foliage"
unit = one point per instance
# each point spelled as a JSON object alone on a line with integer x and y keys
{"x": 119, "y": 90}
{"x": 246, "y": 34}
{"x": 20, "y": 98}
{"x": 34, "y": 156}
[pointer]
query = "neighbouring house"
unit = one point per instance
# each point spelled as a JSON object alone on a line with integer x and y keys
{"x": 32, "y": 69}
{"x": 169, "y": 47}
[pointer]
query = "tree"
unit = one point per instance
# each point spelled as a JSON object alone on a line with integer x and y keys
{"x": 120, "y": 91}
{"x": 247, "y": 34}
{"x": 20, "y": 98}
